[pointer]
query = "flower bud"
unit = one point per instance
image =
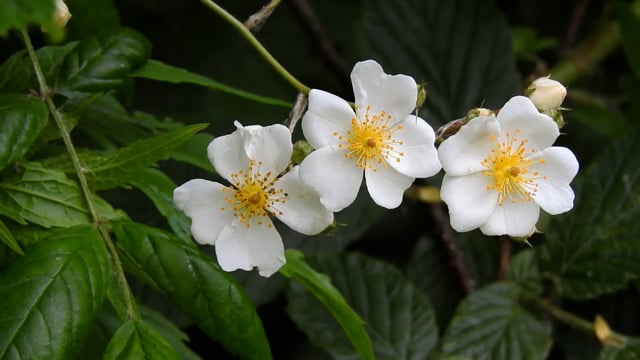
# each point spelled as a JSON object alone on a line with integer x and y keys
{"x": 546, "y": 94}
{"x": 301, "y": 149}
{"x": 62, "y": 14}
{"x": 422, "y": 95}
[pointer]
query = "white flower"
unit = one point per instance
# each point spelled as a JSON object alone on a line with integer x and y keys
{"x": 546, "y": 94}
{"x": 500, "y": 171}
{"x": 237, "y": 218}
{"x": 381, "y": 139}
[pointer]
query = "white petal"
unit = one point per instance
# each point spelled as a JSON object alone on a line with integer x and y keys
{"x": 386, "y": 186}
{"x": 334, "y": 177}
{"x": 242, "y": 247}
{"x": 554, "y": 195}
{"x": 420, "y": 157}
{"x": 520, "y": 114}
{"x": 462, "y": 153}
{"x": 470, "y": 203}
{"x": 394, "y": 94}
{"x": 515, "y": 219}
{"x": 270, "y": 145}
{"x": 202, "y": 200}
{"x": 327, "y": 114}
{"x": 302, "y": 210}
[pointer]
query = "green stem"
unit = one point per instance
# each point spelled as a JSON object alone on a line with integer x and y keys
{"x": 66, "y": 138}
{"x": 246, "y": 33}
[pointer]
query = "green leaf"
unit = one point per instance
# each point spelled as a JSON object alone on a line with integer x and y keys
{"x": 594, "y": 249}
{"x": 629, "y": 351}
{"x": 22, "y": 119}
{"x": 7, "y": 238}
{"x": 91, "y": 18}
{"x": 137, "y": 340}
{"x": 208, "y": 295}
{"x": 320, "y": 286}
{"x": 169, "y": 332}
{"x": 491, "y": 324}
{"x": 629, "y": 24}
{"x": 51, "y": 296}
{"x": 102, "y": 63}
{"x": 17, "y": 73}
{"x": 460, "y": 48}
{"x": 48, "y": 198}
{"x": 116, "y": 169}
{"x": 398, "y": 318}
{"x": 524, "y": 270}
{"x": 194, "y": 152}
{"x": 159, "y": 188}
{"x": 19, "y": 13}
{"x": 156, "y": 70}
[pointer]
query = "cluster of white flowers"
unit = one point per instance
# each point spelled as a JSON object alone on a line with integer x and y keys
{"x": 499, "y": 169}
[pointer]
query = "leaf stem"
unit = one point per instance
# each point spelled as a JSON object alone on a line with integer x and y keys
{"x": 45, "y": 92}
{"x": 246, "y": 33}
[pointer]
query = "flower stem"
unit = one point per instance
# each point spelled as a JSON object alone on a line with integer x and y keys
{"x": 246, "y": 33}
{"x": 45, "y": 92}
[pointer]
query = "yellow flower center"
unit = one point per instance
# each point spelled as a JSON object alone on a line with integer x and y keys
{"x": 508, "y": 165}
{"x": 253, "y": 195}
{"x": 370, "y": 140}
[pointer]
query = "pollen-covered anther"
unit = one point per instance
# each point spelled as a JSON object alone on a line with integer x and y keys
{"x": 508, "y": 166}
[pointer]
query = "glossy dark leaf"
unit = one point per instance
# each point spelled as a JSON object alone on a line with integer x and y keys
{"x": 22, "y": 119}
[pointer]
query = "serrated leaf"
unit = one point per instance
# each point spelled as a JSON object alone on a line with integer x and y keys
{"x": 460, "y": 48}
{"x": 7, "y": 238}
{"x": 22, "y": 119}
{"x": 19, "y": 13}
{"x": 46, "y": 197}
{"x": 102, "y": 63}
{"x": 321, "y": 287}
{"x": 208, "y": 295}
{"x": 137, "y": 340}
{"x": 594, "y": 249}
{"x": 524, "y": 270}
{"x": 51, "y": 296}
{"x": 159, "y": 188}
{"x": 159, "y": 71}
{"x": 491, "y": 324}
{"x": 398, "y": 318}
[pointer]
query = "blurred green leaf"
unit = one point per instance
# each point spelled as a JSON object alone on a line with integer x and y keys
{"x": 19, "y": 13}
{"x": 137, "y": 340}
{"x": 491, "y": 324}
{"x": 629, "y": 24}
{"x": 194, "y": 152}
{"x": 398, "y": 318}
{"x": 17, "y": 73}
{"x": 159, "y": 188}
{"x": 46, "y": 197}
{"x": 51, "y": 296}
{"x": 526, "y": 42}
{"x": 322, "y": 289}
{"x": 460, "y": 48}
{"x": 629, "y": 351}
{"x": 22, "y": 119}
{"x": 593, "y": 249}
{"x": 208, "y": 295}
{"x": 102, "y": 63}
{"x": 7, "y": 238}
{"x": 91, "y": 18}
{"x": 156, "y": 70}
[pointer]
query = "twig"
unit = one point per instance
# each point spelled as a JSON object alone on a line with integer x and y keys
{"x": 574, "y": 24}
{"x": 505, "y": 257}
{"x": 326, "y": 49}
{"x": 467, "y": 283}
{"x": 296, "y": 112}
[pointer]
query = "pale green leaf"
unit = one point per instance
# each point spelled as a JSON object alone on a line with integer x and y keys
{"x": 137, "y": 340}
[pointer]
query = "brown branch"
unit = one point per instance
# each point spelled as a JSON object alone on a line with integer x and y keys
{"x": 447, "y": 236}
{"x": 505, "y": 257}
{"x": 325, "y": 48}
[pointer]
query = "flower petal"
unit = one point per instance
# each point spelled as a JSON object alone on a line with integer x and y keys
{"x": 520, "y": 114}
{"x": 334, "y": 177}
{"x": 201, "y": 200}
{"x": 242, "y": 247}
{"x": 394, "y": 94}
{"x": 326, "y": 115}
{"x": 386, "y": 186}
{"x": 420, "y": 157}
{"x": 271, "y": 146}
{"x": 462, "y": 153}
{"x": 302, "y": 211}
{"x": 515, "y": 219}
{"x": 560, "y": 166}
{"x": 470, "y": 203}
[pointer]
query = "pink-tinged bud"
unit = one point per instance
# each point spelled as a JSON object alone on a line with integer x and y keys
{"x": 546, "y": 94}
